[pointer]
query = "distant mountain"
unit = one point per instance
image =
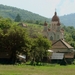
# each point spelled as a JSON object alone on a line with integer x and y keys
{"x": 11, "y": 12}
{"x": 68, "y": 20}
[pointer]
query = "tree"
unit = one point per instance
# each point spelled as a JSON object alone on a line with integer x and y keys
{"x": 5, "y": 23}
{"x": 39, "y": 49}
{"x": 18, "y": 18}
{"x": 17, "y": 38}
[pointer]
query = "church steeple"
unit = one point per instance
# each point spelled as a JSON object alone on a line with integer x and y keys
{"x": 55, "y": 17}
{"x": 54, "y": 32}
{"x": 55, "y": 13}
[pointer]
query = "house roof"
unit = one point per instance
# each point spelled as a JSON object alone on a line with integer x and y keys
{"x": 61, "y": 44}
{"x": 57, "y": 56}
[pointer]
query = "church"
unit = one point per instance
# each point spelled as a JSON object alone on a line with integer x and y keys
{"x": 55, "y": 33}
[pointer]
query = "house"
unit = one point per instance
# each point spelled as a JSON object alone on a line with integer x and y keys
{"x": 22, "y": 25}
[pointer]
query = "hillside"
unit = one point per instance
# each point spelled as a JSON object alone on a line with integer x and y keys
{"x": 68, "y": 20}
{"x": 11, "y": 12}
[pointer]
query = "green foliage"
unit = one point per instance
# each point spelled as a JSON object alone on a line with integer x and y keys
{"x": 5, "y": 23}
{"x": 15, "y": 39}
{"x": 70, "y": 35}
{"x": 37, "y": 70}
{"x": 39, "y": 49}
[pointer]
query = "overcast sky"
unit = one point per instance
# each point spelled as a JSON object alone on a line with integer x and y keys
{"x": 44, "y": 8}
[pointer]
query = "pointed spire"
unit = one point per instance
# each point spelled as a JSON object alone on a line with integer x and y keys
{"x": 55, "y": 17}
{"x": 55, "y": 12}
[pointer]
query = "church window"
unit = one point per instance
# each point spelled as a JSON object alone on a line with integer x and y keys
{"x": 51, "y": 38}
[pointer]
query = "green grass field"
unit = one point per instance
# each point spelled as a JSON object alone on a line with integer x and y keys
{"x": 37, "y": 70}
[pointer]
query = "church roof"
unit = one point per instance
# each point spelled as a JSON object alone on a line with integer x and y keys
{"x": 61, "y": 44}
{"x": 55, "y": 17}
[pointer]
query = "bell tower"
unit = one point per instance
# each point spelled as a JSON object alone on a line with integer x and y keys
{"x": 45, "y": 30}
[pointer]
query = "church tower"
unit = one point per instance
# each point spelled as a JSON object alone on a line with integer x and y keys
{"x": 55, "y": 32}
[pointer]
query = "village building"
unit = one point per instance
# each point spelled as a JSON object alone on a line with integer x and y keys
{"x": 22, "y": 25}
{"x": 55, "y": 33}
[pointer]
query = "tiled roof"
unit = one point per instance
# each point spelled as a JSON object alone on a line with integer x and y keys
{"x": 61, "y": 44}
{"x": 66, "y": 44}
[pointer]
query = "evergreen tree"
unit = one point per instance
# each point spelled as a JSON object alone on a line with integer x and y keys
{"x": 18, "y": 18}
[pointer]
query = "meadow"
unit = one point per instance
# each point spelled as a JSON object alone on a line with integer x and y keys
{"x": 37, "y": 70}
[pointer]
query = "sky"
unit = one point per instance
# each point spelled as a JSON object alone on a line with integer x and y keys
{"x": 44, "y": 8}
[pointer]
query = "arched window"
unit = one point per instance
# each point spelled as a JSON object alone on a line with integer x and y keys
{"x": 51, "y": 38}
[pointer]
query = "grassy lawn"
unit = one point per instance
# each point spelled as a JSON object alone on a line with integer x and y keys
{"x": 37, "y": 70}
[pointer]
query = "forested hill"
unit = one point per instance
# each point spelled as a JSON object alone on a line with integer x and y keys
{"x": 11, "y": 12}
{"x": 68, "y": 20}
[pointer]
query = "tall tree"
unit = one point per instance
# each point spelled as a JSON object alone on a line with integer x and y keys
{"x": 39, "y": 49}
{"x": 18, "y": 18}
